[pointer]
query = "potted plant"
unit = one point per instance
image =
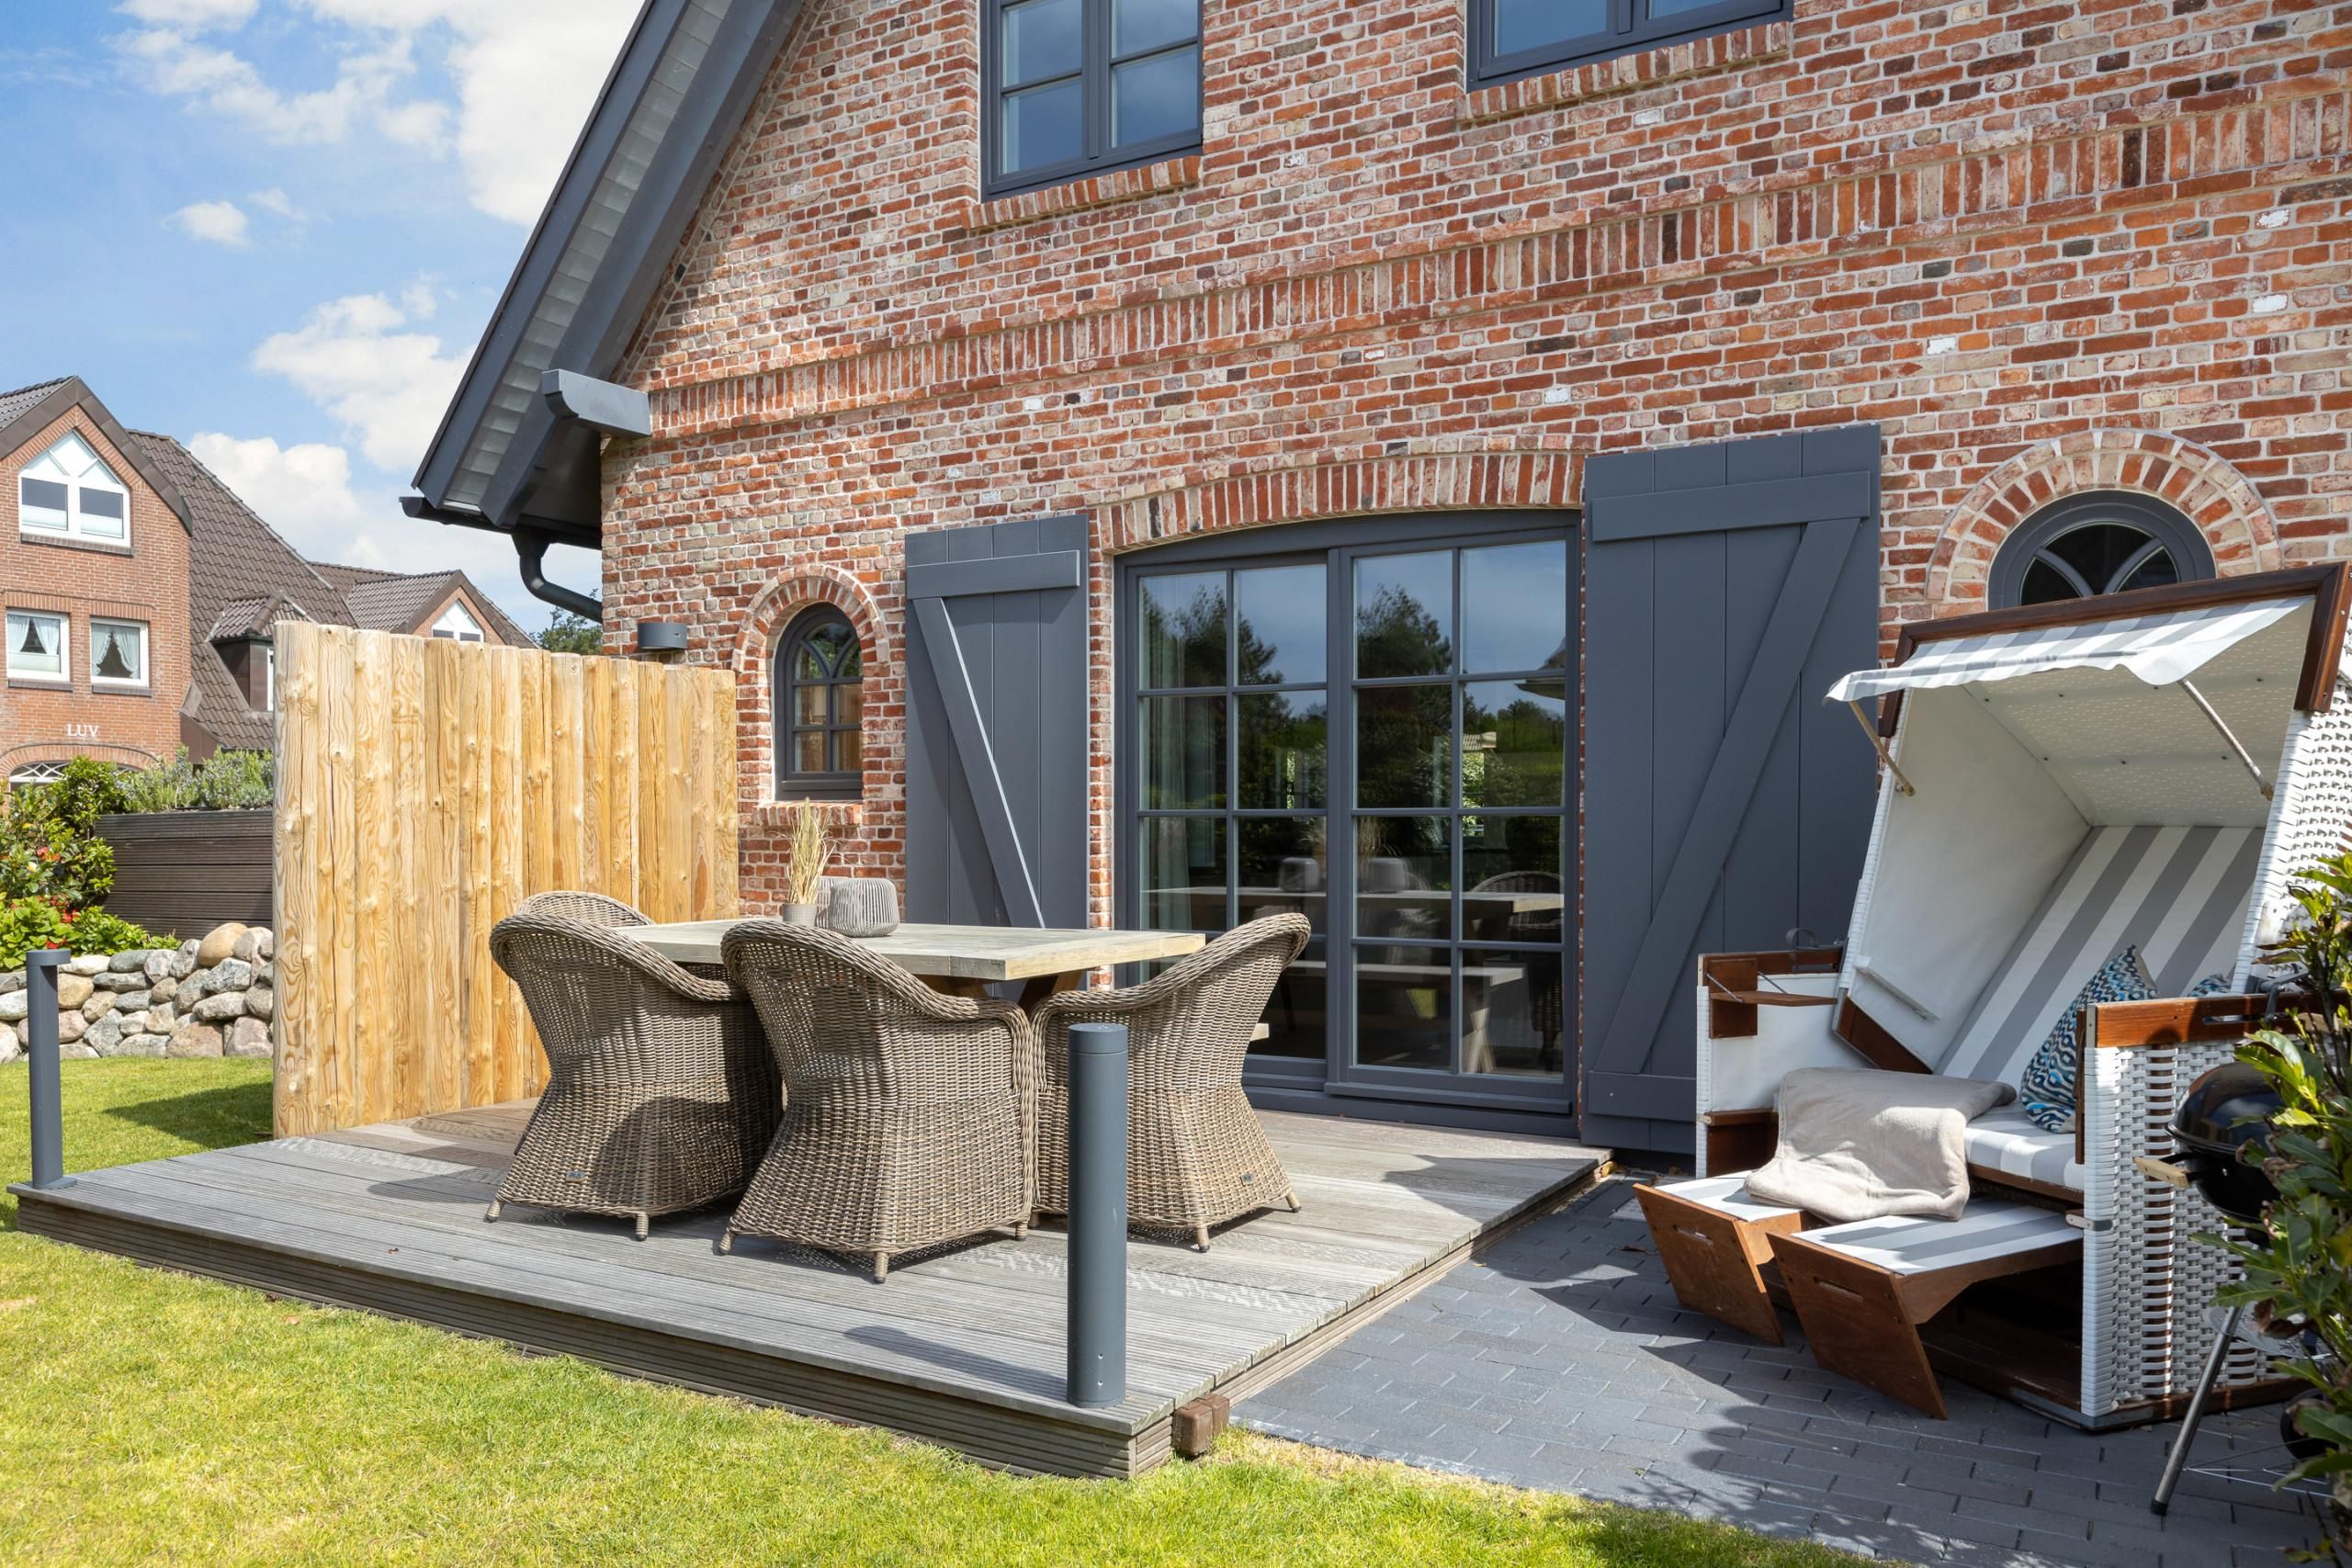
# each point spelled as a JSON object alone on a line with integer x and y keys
{"x": 810, "y": 847}
{"x": 2299, "y": 1266}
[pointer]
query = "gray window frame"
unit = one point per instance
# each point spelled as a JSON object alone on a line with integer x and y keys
{"x": 1631, "y": 30}
{"x": 2163, "y": 525}
{"x": 832, "y": 783}
{"x": 1338, "y": 545}
{"x": 1095, "y": 63}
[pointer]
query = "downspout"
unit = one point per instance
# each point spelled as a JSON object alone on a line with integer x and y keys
{"x": 530, "y": 551}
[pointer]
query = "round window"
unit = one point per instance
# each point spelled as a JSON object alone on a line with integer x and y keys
{"x": 2101, "y": 542}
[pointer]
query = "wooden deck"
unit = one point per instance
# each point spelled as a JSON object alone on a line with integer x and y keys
{"x": 963, "y": 1348}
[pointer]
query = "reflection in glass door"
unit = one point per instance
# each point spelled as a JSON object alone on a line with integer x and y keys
{"x": 1373, "y": 728}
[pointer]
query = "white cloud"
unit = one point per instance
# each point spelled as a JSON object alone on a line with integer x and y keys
{"x": 275, "y": 201}
{"x": 525, "y": 74}
{"x": 190, "y": 13}
{"x": 215, "y": 222}
{"x": 387, "y": 387}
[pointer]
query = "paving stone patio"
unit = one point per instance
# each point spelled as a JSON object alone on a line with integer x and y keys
{"x": 1561, "y": 1361}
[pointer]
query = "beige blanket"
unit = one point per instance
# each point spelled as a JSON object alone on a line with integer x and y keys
{"x": 1864, "y": 1144}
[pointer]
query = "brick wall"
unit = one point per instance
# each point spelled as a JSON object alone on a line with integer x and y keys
{"x": 2044, "y": 246}
{"x": 146, "y": 583}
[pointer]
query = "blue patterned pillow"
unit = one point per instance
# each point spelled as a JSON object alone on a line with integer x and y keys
{"x": 2049, "y": 1082}
{"x": 2213, "y": 984}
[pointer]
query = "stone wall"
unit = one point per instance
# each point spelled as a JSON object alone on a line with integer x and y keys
{"x": 210, "y": 997}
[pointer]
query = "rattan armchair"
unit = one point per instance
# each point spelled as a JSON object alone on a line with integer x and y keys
{"x": 1196, "y": 1156}
{"x": 910, "y": 1117}
{"x": 662, "y": 1094}
{"x": 588, "y": 908}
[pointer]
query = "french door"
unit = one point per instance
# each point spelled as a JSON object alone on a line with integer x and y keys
{"x": 1370, "y": 724}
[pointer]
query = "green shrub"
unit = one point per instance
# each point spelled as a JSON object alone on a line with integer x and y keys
{"x": 30, "y": 923}
{"x": 226, "y": 780}
{"x": 49, "y": 847}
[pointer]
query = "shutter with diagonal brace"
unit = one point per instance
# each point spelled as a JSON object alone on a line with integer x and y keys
{"x": 997, "y": 821}
{"x": 1726, "y": 804}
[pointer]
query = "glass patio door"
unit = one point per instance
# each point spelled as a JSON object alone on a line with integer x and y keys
{"x": 1371, "y": 728}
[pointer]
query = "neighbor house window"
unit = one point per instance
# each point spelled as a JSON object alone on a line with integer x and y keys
{"x": 269, "y": 678}
{"x": 118, "y": 653}
{"x": 36, "y": 646}
{"x": 2099, "y": 542}
{"x": 69, "y": 491}
{"x": 456, "y": 624}
{"x": 820, "y": 701}
{"x": 1519, "y": 38}
{"x": 1079, "y": 86}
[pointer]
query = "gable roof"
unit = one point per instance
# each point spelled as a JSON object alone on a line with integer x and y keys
{"x": 27, "y": 411}
{"x": 239, "y": 573}
{"x": 400, "y": 602}
{"x": 684, "y": 79}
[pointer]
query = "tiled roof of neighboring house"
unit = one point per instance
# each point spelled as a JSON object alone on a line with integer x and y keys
{"x": 16, "y": 402}
{"x": 254, "y": 617}
{"x": 399, "y": 602}
{"x": 236, "y": 559}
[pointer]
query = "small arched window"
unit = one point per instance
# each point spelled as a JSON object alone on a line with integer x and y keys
{"x": 819, "y": 699}
{"x": 2098, "y": 542}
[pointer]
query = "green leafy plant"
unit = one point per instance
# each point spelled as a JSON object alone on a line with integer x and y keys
{"x": 226, "y": 780}
{"x": 27, "y": 924}
{"x": 568, "y": 633}
{"x": 49, "y": 847}
{"x": 2299, "y": 1266}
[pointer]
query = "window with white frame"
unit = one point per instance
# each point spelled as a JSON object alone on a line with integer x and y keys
{"x": 457, "y": 623}
{"x": 69, "y": 491}
{"x": 117, "y": 652}
{"x": 37, "y": 774}
{"x": 36, "y": 646}
{"x": 269, "y": 678}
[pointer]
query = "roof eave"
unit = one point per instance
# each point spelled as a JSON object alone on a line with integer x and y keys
{"x": 72, "y": 392}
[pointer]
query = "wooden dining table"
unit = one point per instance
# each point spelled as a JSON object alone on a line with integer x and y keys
{"x": 961, "y": 961}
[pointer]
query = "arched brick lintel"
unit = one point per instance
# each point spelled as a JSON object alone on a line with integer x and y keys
{"x": 1513, "y": 480}
{"x": 2223, "y": 504}
{"x": 752, "y": 661}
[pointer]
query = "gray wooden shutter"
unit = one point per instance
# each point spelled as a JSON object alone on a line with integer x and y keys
{"x": 997, "y": 820}
{"x": 1726, "y": 586}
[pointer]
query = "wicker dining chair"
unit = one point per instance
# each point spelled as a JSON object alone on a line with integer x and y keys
{"x": 1196, "y": 1155}
{"x": 662, "y": 1094}
{"x": 588, "y": 908}
{"x": 1547, "y": 1009}
{"x": 910, "y": 1117}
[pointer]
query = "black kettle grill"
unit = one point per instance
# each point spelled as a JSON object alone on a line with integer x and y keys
{"x": 2223, "y": 1110}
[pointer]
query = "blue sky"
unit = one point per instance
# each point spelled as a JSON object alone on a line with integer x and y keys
{"x": 274, "y": 229}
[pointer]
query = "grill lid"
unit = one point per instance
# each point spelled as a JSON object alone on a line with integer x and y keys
{"x": 2229, "y": 1107}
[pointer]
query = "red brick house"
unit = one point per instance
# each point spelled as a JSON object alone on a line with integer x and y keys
{"x": 141, "y": 593}
{"x": 1125, "y": 448}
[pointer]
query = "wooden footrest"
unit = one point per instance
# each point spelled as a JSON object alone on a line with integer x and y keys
{"x": 1715, "y": 1241}
{"x": 1863, "y": 1290}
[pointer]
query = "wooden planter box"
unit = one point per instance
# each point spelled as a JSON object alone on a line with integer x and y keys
{"x": 186, "y": 872}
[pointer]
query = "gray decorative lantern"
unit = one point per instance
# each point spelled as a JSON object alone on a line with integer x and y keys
{"x": 858, "y": 906}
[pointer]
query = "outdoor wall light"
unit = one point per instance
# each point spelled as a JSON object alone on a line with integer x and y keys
{"x": 662, "y": 639}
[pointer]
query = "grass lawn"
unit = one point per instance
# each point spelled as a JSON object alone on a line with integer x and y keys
{"x": 147, "y": 1415}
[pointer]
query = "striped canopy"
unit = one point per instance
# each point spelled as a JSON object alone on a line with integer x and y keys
{"x": 2159, "y": 649}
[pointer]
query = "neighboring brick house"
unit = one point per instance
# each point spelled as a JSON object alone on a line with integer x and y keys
{"x": 134, "y": 635}
{"x": 1449, "y": 313}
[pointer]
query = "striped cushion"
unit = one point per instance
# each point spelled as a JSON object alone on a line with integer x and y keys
{"x": 2178, "y": 894}
{"x": 1991, "y": 1228}
{"x": 2006, "y": 1141}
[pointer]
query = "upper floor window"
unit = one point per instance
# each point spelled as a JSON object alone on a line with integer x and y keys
{"x": 35, "y": 646}
{"x": 118, "y": 653}
{"x": 457, "y": 623}
{"x": 69, "y": 490}
{"x": 1076, "y": 87}
{"x": 820, "y": 703}
{"x": 2098, "y": 542}
{"x": 1519, "y": 38}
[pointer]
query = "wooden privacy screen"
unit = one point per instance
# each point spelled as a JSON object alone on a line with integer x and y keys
{"x": 425, "y": 787}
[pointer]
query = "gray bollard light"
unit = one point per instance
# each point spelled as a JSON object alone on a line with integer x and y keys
{"x": 48, "y": 1111}
{"x": 1098, "y": 1213}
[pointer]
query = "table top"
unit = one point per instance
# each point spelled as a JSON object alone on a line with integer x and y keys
{"x": 959, "y": 952}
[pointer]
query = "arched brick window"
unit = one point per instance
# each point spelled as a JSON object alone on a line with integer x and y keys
{"x": 2096, "y": 542}
{"x": 819, "y": 707}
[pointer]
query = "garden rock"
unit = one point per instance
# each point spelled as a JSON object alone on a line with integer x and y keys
{"x": 162, "y": 1016}
{"x": 12, "y": 979}
{"x": 220, "y": 943}
{"x": 164, "y": 989}
{"x": 142, "y": 1046}
{"x": 248, "y": 1037}
{"x": 131, "y": 960}
{"x": 133, "y": 1001}
{"x": 193, "y": 1039}
{"x": 14, "y": 1006}
{"x": 77, "y": 1052}
{"x": 229, "y": 975}
{"x": 120, "y": 980}
{"x": 87, "y": 964}
{"x": 101, "y": 1004}
{"x": 69, "y": 1026}
{"x": 105, "y": 1035}
{"x": 220, "y": 1009}
{"x": 72, "y": 990}
{"x": 159, "y": 964}
{"x": 247, "y": 946}
{"x": 260, "y": 1002}
{"x": 10, "y": 1047}
{"x": 183, "y": 961}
